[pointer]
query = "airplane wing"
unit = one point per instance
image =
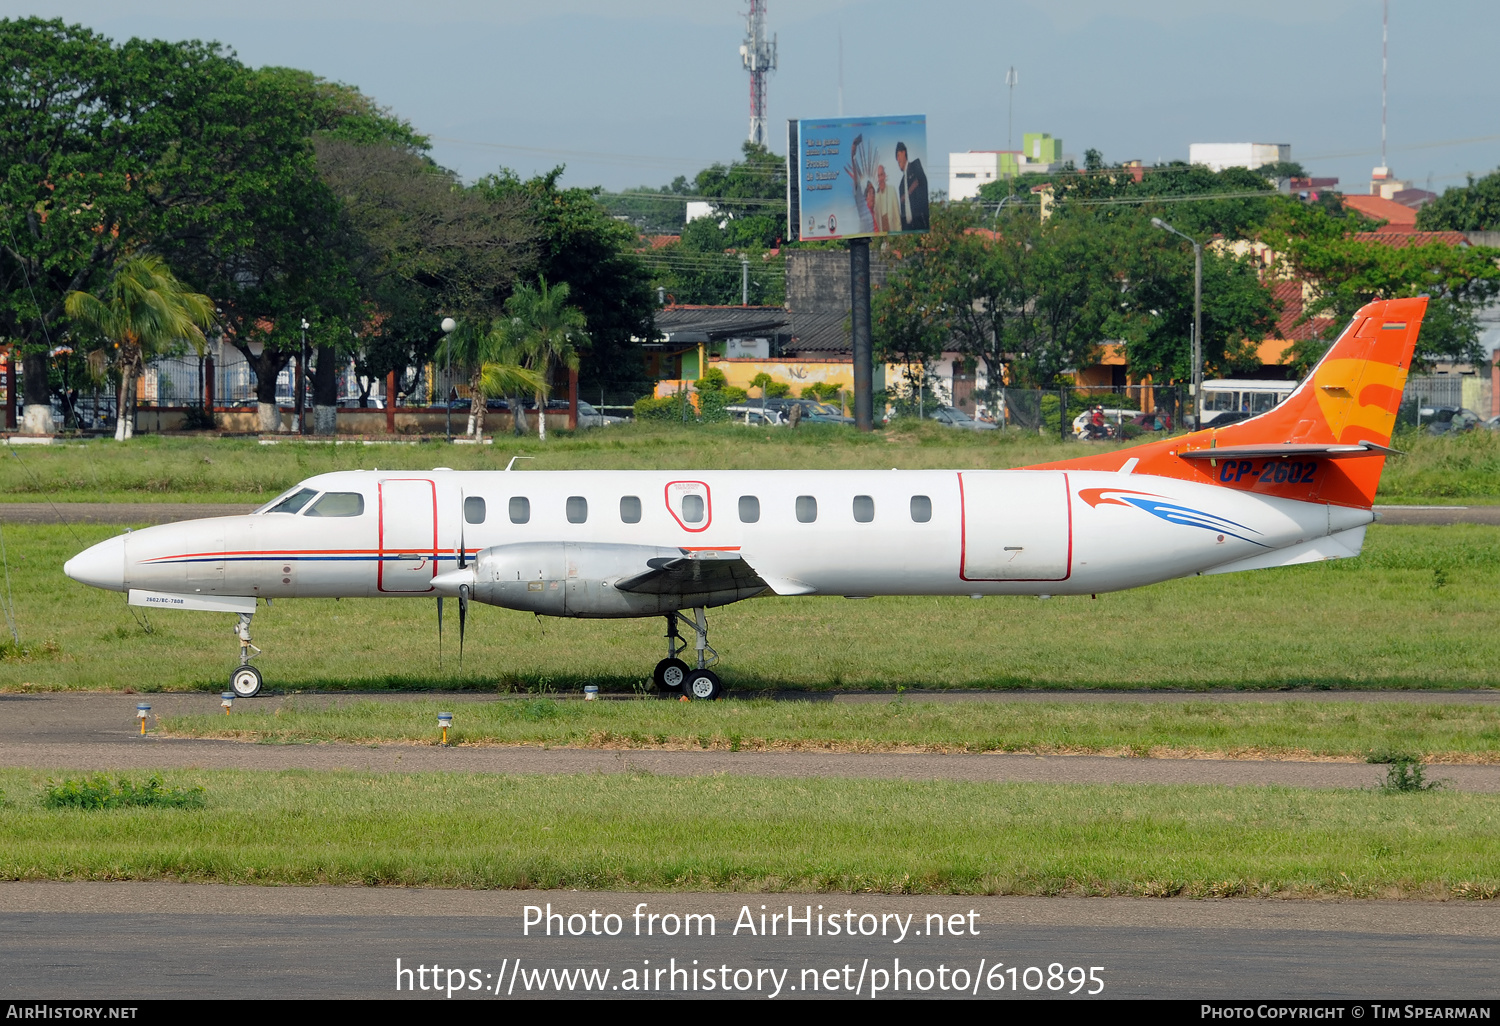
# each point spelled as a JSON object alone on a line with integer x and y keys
{"x": 1289, "y": 450}
{"x": 697, "y": 573}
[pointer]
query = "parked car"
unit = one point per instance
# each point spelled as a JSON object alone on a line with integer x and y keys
{"x": 754, "y": 415}
{"x": 1157, "y": 421}
{"x": 813, "y": 411}
{"x": 589, "y": 417}
{"x": 952, "y": 416}
{"x": 1449, "y": 420}
{"x": 352, "y": 403}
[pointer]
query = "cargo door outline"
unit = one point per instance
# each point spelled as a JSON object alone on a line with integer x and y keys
{"x": 408, "y": 528}
{"x": 970, "y": 546}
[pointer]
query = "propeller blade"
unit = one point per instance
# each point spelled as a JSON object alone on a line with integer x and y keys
{"x": 463, "y": 616}
{"x": 463, "y": 555}
{"x": 440, "y": 632}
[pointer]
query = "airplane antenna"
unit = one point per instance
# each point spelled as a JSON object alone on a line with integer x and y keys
{"x": 513, "y": 459}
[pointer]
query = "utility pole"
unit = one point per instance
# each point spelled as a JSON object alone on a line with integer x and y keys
{"x": 859, "y": 323}
{"x": 1011, "y": 80}
{"x": 759, "y": 58}
{"x": 744, "y": 280}
{"x": 1385, "y": 22}
{"x": 1197, "y": 319}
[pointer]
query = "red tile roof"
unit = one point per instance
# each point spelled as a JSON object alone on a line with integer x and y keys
{"x": 1401, "y": 218}
{"x": 1401, "y": 240}
{"x": 1289, "y": 295}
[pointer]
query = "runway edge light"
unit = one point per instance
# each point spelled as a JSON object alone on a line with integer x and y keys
{"x": 445, "y": 720}
{"x": 226, "y": 699}
{"x": 141, "y": 710}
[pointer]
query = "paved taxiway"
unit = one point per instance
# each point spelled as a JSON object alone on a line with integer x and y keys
{"x": 140, "y": 940}
{"x": 97, "y": 732}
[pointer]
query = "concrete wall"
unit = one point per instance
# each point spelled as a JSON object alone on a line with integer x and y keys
{"x": 414, "y": 421}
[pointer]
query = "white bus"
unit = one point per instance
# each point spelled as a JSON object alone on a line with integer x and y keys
{"x": 1241, "y": 397}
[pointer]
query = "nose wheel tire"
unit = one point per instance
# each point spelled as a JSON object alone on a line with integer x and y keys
{"x": 245, "y": 682}
{"x": 669, "y": 676}
{"x": 703, "y": 686}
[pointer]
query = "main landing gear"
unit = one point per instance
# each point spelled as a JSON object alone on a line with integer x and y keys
{"x": 245, "y": 682}
{"x": 675, "y": 677}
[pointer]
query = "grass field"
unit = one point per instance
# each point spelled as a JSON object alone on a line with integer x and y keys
{"x": 1464, "y": 469}
{"x": 1271, "y": 729}
{"x": 652, "y": 833}
{"x": 1416, "y": 611}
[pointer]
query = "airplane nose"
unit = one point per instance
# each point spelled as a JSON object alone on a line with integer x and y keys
{"x": 100, "y": 566}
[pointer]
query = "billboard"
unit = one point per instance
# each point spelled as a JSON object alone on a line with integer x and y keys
{"x": 852, "y": 178}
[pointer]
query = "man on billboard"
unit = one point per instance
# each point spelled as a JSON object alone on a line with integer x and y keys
{"x": 912, "y": 192}
{"x": 887, "y": 207}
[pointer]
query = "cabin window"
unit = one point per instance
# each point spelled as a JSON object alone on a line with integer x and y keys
{"x": 578, "y": 509}
{"x": 749, "y": 509}
{"x": 921, "y": 509}
{"x": 864, "y": 509}
{"x": 473, "y": 509}
{"x": 293, "y": 503}
{"x": 337, "y": 504}
{"x": 520, "y": 509}
{"x": 692, "y": 509}
{"x": 807, "y": 509}
{"x": 630, "y": 509}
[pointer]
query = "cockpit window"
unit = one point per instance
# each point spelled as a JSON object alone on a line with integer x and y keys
{"x": 337, "y": 504}
{"x": 292, "y": 503}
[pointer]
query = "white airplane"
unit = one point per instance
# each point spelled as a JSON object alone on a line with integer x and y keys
{"x": 1292, "y": 485}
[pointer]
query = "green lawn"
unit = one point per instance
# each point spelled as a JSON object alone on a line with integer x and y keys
{"x": 154, "y": 468}
{"x": 1276, "y": 728}
{"x": 1418, "y": 610}
{"x": 642, "y": 832}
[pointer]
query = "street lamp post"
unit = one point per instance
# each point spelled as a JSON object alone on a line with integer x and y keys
{"x": 301, "y": 382}
{"x": 1197, "y": 319}
{"x": 448, "y": 325}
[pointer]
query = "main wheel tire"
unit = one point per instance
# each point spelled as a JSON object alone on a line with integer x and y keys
{"x": 669, "y": 675}
{"x": 703, "y": 686}
{"x": 245, "y": 682}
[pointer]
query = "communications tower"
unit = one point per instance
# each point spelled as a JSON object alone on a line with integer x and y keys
{"x": 759, "y": 58}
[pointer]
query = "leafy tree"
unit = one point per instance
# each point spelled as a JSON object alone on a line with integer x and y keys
{"x": 1348, "y": 273}
{"x": 141, "y": 311}
{"x": 1474, "y": 207}
{"x": 541, "y": 329}
{"x": 577, "y": 243}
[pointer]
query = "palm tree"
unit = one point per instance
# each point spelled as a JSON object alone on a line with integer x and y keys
{"x": 543, "y": 330}
{"x": 142, "y": 310}
{"x": 481, "y": 351}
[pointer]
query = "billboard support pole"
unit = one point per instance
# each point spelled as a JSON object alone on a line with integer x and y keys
{"x": 859, "y": 317}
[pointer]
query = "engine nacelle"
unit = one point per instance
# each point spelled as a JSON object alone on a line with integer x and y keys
{"x": 567, "y": 579}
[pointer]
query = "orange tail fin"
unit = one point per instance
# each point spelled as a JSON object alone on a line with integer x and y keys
{"x": 1325, "y": 443}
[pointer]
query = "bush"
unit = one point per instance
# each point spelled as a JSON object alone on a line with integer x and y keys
{"x": 711, "y": 407}
{"x": 712, "y": 380}
{"x": 823, "y": 391}
{"x": 96, "y": 792}
{"x": 197, "y": 418}
{"x": 667, "y": 408}
{"x": 770, "y": 387}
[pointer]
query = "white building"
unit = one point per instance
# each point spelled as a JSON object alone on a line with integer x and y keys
{"x": 1218, "y": 156}
{"x": 969, "y": 172}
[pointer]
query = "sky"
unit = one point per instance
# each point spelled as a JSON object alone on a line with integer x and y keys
{"x": 636, "y": 92}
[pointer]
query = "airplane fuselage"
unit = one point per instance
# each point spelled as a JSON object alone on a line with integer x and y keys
{"x": 559, "y": 542}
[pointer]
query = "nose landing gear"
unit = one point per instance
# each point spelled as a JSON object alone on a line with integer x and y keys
{"x": 673, "y": 676}
{"x": 245, "y": 682}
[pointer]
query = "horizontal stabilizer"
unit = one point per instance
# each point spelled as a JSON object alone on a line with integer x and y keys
{"x": 202, "y": 603}
{"x": 1344, "y": 545}
{"x": 1290, "y": 450}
